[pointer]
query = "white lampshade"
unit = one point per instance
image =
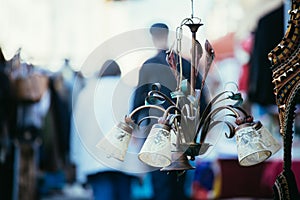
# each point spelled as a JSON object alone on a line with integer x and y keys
{"x": 269, "y": 141}
{"x": 250, "y": 146}
{"x": 156, "y": 150}
{"x": 115, "y": 143}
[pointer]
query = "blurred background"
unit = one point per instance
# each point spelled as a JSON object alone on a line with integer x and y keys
{"x": 49, "y": 31}
{"x": 56, "y": 37}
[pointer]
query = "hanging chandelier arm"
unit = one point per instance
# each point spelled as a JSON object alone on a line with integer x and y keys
{"x": 217, "y": 110}
{"x": 144, "y": 107}
{"x": 163, "y": 95}
{"x": 148, "y": 117}
{"x": 219, "y": 101}
{"x": 214, "y": 101}
{"x": 173, "y": 117}
{"x": 241, "y": 110}
{"x": 213, "y": 124}
{"x": 169, "y": 109}
{"x": 207, "y": 121}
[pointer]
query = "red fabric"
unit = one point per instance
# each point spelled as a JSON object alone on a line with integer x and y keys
{"x": 255, "y": 181}
{"x": 224, "y": 46}
{"x": 199, "y": 192}
{"x": 274, "y": 168}
{"x": 244, "y": 78}
{"x": 247, "y": 45}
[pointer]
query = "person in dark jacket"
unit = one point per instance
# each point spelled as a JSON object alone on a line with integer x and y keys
{"x": 267, "y": 35}
{"x": 157, "y": 70}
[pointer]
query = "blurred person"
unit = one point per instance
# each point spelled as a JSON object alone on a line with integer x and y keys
{"x": 158, "y": 70}
{"x": 4, "y": 90}
{"x": 55, "y": 149}
{"x": 29, "y": 105}
{"x": 40, "y": 126}
{"x": 69, "y": 76}
{"x": 166, "y": 186}
{"x": 6, "y": 149}
{"x": 106, "y": 183}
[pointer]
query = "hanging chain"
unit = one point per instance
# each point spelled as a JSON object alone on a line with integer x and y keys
{"x": 192, "y": 16}
{"x": 178, "y": 38}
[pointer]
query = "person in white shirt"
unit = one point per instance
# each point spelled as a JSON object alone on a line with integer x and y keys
{"x": 93, "y": 115}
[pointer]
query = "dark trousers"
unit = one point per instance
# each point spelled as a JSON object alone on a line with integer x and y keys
{"x": 168, "y": 186}
{"x": 110, "y": 186}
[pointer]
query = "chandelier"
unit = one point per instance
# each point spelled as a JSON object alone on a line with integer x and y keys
{"x": 181, "y": 129}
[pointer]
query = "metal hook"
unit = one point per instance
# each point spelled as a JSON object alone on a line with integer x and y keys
{"x": 233, "y": 83}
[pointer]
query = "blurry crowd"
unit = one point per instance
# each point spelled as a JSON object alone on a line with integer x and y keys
{"x": 38, "y": 158}
{"x": 35, "y": 129}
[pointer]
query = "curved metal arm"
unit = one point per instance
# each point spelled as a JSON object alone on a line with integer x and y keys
{"x": 207, "y": 120}
{"x": 246, "y": 115}
{"x": 228, "y": 107}
{"x": 165, "y": 115}
{"x": 169, "y": 109}
{"x": 212, "y": 125}
{"x": 143, "y": 107}
{"x": 172, "y": 118}
{"x": 163, "y": 95}
{"x": 215, "y": 100}
{"x": 148, "y": 117}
